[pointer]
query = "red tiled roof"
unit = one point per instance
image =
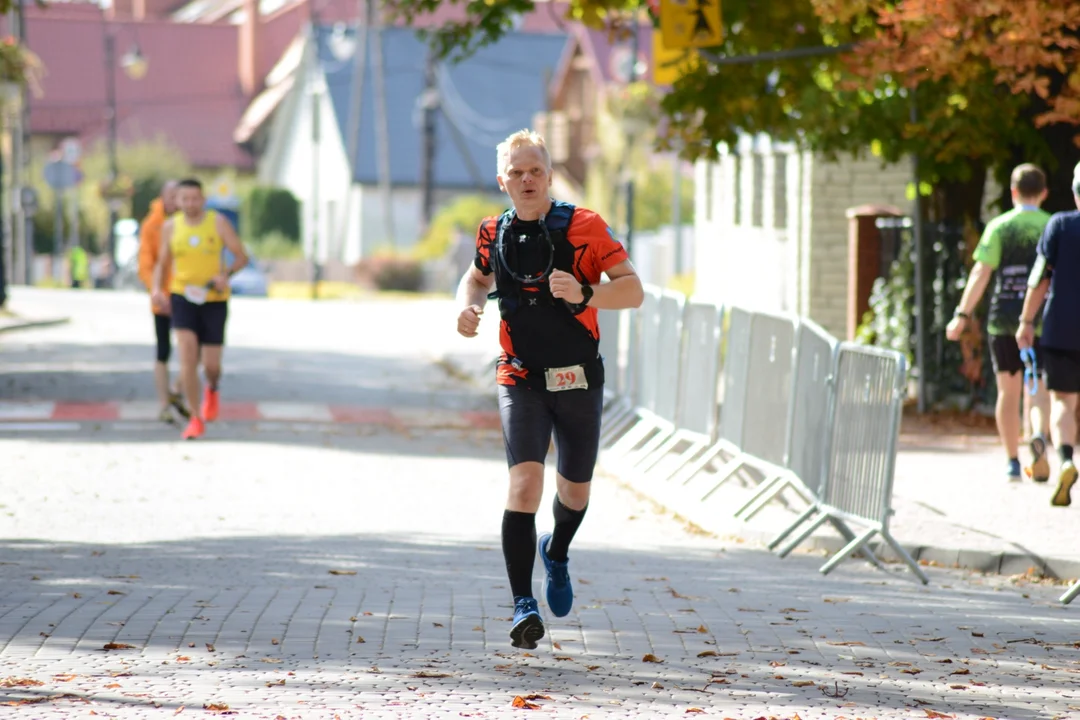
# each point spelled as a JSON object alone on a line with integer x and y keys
{"x": 190, "y": 94}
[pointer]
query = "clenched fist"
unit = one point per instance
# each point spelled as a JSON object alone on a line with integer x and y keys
{"x": 468, "y": 320}
{"x": 566, "y": 287}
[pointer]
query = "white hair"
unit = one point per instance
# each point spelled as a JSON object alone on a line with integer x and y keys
{"x": 520, "y": 139}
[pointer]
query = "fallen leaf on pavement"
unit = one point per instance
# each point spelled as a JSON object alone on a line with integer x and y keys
{"x": 118, "y": 646}
{"x": 657, "y": 686}
{"x": 276, "y": 683}
{"x": 556, "y": 645}
{"x": 563, "y": 657}
{"x": 592, "y": 667}
{"x": 650, "y": 658}
{"x": 694, "y": 710}
{"x": 976, "y": 634}
{"x": 851, "y": 672}
{"x": 935, "y": 714}
{"x": 803, "y": 683}
{"x": 273, "y": 641}
{"x": 520, "y": 702}
{"x": 536, "y": 696}
{"x": 115, "y": 592}
{"x": 179, "y": 710}
{"x": 218, "y": 707}
{"x": 342, "y": 572}
{"x": 848, "y": 643}
{"x": 946, "y": 661}
{"x": 112, "y": 686}
{"x": 961, "y": 671}
{"x": 183, "y": 658}
{"x": 19, "y": 682}
{"x": 65, "y": 677}
{"x": 360, "y": 639}
{"x": 428, "y": 674}
{"x": 911, "y": 671}
{"x": 210, "y": 647}
{"x": 958, "y": 687}
{"x": 707, "y": 653}
{"x": 777, "y": 663}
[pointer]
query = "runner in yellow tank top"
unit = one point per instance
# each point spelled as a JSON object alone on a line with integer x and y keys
{"x": 192, "y": 243}
{"x": 197, "y": 250}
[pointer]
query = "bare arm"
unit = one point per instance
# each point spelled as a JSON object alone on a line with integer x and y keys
{"x": 1033, "y": 300}
{"x": 474, "y": 287}
{"x": 228, "y": 236}
{"x": 976, "y": 286}
{"x": 622, "y": 291}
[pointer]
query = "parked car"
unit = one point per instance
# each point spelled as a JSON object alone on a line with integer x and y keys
{"x": 251, "y": 281}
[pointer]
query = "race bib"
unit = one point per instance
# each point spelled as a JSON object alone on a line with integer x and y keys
{"x": 195, "y": 294}
{"x": 566, "y": 378}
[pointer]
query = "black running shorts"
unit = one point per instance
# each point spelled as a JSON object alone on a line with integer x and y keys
{"x": 1005, "y": 354}
{"x": 164, "y": 341}
{"x": 1062, "y": 370}
{"x": 530, "y": 416}
{"x": 207, "y": 321}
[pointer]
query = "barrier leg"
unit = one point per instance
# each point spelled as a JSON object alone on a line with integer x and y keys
{"x": 726, "y": 473}
{"x": 1071, "y": 593}
{"x": 636, "y": 435}
{"x": 620, "y": 421}
{"x": 791, "y": 528}
{"x": 685, "y": 457}
{"x": 765, "y": 492}
{"x": 849, "y": 535}
{"x": 858, "y": 542}
{"x": 643, "y": 453}
{"x": 696, "y": 466}
{"x": 661, "y": 452}
{"x": 905, "y": 556}
{"x": 786, "y": 550}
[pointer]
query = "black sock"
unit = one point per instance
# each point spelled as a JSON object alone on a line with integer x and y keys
{"x": 1066, "y": 452}
{"x": 519, "y": 550}
{"x": 567, "y": 522}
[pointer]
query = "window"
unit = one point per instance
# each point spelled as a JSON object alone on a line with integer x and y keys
{"x": 780, "y": 208}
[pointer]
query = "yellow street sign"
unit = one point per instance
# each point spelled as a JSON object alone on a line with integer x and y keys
{"x": 670, "y": 64}
{"x": 690, "y": 23}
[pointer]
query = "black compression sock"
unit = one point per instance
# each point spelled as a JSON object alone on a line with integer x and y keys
{"x": 519, "y": 550}
{"x": 567, "y": 522}
{"x": 1066, "y": 452}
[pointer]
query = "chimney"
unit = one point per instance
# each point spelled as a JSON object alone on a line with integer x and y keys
{"x": 250, "y": 82}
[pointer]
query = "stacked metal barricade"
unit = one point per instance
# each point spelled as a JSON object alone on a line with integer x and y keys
{"x": 700, "y": 394}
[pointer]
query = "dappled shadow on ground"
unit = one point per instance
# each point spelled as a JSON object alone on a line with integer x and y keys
{"x": 655, "y": 630}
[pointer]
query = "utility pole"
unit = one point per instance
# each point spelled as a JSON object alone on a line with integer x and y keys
{"x": 382, "y": 130}
{"x": 429, "y": 99}
{"x": 360, "y": 53}
{"x": 114, "y": 172}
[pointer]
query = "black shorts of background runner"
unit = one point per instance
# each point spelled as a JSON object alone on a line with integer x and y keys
{"x": 1062, "y": 370}
{"x": 1005, "y": 355}
{"x": 207, "y": 321}
{"x": 163, "y": 330}
{"x": 530, "y": 416}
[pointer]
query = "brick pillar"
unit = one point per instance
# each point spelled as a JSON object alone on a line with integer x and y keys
{"x": 864, "y": 259}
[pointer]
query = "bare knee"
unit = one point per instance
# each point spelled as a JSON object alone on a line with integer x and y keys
{"x": 526, "y": 487}
{"x": 574, "y": 495}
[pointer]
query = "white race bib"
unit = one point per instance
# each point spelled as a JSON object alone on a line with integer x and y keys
{"x": 566, "y": 378}
{"x": 195, "y": 294}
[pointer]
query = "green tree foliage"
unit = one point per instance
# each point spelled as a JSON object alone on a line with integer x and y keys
{"x": 270, "y": 210}
{"x": 983, "y": 81}
{"x": 463, "y": 215}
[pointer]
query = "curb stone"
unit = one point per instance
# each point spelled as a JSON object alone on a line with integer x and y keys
{"x": 22, "y": 324}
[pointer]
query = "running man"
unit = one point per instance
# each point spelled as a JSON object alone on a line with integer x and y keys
{"x": 1007, "y": 253}
{"x": 161, "y": 209}
{"x": 1056, "y": 278}
{"x": 192, "y": 246}
{"x": 544, "y": 260}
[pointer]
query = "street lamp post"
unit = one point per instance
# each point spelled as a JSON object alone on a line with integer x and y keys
{"x": 135, "y": 66}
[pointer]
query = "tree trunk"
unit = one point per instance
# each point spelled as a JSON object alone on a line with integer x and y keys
{"x": 959, "y": 201}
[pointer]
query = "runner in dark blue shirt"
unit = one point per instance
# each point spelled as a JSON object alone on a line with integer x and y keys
{"x": 1056, "y": 277}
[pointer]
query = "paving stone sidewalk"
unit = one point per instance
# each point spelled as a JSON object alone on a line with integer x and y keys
{"x": 321, "y": 576}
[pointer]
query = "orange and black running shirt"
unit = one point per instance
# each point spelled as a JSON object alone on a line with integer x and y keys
{"x": 595, "y": 251}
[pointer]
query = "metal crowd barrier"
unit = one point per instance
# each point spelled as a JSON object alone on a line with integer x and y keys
{"x": 1071, "y": 593}
{"x": 732, "y": 391}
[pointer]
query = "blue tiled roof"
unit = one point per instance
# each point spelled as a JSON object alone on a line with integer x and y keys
{"x": 489, "y": 95}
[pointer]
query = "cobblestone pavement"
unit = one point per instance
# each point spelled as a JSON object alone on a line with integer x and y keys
{"x": 321, "y": 571}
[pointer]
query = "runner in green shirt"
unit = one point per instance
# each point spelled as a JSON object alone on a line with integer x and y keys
{"x": 1006, "y": 253}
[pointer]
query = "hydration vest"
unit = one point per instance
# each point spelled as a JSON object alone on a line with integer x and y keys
{"x": 543, "y": 329}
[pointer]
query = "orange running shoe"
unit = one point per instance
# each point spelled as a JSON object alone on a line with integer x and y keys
{"x": 210, "y": 405}
{"x": 195, "y": 429}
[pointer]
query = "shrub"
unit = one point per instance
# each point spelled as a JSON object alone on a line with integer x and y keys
{"x": 464, "y": 215}
{"x": 271, "y": 210}
{"x": 386, "y": 272}
{"x": 276, "y": 246}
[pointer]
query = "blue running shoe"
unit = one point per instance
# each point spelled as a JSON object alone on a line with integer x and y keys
{"x": 557, "y": 589}
{"x": 528, "y": 625}
{"x": 1014, "y": 470}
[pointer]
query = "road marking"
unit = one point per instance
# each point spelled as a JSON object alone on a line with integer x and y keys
{"x": 26, "y": 410}
{"x": 38, "y": 426}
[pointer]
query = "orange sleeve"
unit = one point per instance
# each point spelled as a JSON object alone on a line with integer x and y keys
{"x": 485, "y": 238}
{"x": 603, "y": 250}
{"x": 149, "y": 246}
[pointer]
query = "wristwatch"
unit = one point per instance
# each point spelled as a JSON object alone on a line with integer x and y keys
{"x": 961, "y": 314}
{"x": 586, "y": 293}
